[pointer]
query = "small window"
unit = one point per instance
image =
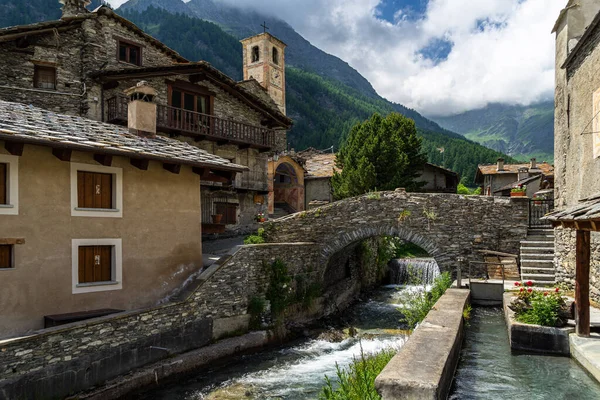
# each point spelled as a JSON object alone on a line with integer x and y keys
{"x": 3, "y": 184}
{"x": 275, "y": 56}
{"x": 6, "y": 256}
{"x": 255, "y": 54}
{"x": 44, "y": 77}
{"x": 228, "y": 211}
{"x": 95, "y": 264}
{"x": 9, "y": 185}
{"x": 130, "y": 53}
{"x": 94, "y": 190}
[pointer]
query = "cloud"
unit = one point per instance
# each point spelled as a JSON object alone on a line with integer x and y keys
{"x": 490, "y": 50}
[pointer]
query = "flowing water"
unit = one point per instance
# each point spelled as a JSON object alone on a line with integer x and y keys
{"x": 408, "y": 270}
{"x": 297, "y": 370}
{"x": 488, "y": 370}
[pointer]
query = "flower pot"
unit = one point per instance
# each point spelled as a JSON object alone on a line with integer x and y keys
{"x": 518, "y": 194}
{"x": 216, "y": 218}
{"x": 261, "y": 220}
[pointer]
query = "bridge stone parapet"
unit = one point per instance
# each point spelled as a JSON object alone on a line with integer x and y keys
{"x": 446, "y": 225}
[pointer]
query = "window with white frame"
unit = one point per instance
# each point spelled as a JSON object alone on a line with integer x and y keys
{"x": 97, "y": 265}
{"x": 9, "y": 185}
{"x": 96, "y": 191}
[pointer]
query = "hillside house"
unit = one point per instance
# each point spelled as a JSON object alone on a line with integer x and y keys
{"x": 82, "y": 64}
{"x": 95, "y": 216}
{"x": 577, "y": 153}
{"x": 498, "y": 179}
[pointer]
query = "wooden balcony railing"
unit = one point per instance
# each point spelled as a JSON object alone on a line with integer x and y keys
{"x": 200, "y": 126}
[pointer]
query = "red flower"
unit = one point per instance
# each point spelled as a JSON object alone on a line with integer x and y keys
{"x": 522, "y": 289}
{"x": 545, "y": 293}
{"x": 529, "y": 290}
{"x": 517, "y": 283}
{"x": 557, "y": 290}
{"x": 529, "y": 283}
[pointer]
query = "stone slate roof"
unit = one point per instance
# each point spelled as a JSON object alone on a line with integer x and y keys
{"x": 320, "y": 165}
{"x": 546, "y": 169}
{"x": 74, "y": 21}
{"x": 587, "y": 210}
{"x": 32, "y": 125}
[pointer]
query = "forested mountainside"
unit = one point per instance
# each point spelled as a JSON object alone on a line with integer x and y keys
{"x": 522, "y": 132}
{"x": 323, "y": 108}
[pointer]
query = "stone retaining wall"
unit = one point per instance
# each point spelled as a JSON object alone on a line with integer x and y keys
{"x": 424, "y": 367}
{"x": 60, "y": 361}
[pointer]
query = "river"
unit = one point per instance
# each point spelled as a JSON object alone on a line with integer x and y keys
{"x": 297, "y": 370}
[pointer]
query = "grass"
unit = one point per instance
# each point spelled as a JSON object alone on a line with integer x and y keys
{"x": 417, "y": 304}
{"x": 357, "y": 382}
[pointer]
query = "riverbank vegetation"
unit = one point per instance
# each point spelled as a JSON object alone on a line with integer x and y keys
{"x": 417, "y": 303}
{"x": 357, "y": 382}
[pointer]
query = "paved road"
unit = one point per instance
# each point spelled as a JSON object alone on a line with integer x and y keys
{"x": 212, "y": 250}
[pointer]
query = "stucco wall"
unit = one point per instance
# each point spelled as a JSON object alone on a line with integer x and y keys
{"x": 318, "y": 189}
{"x": 160, "y": 231}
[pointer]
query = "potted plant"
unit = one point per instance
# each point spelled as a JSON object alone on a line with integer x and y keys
{"x": 216, "y": 218}
{"x": 520, "y": 191}
{"x": 537, "y": 200}
{"x": 260, "y": 217}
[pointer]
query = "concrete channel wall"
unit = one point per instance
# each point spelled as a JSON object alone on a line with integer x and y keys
{"x": 424, "y": 367}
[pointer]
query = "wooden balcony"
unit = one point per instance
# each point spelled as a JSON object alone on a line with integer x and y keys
{"x": 178, "y": 121}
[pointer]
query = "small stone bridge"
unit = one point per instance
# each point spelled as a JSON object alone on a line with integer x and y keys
{"x": 446, "y": 225}
{"x": 213, "y": 304}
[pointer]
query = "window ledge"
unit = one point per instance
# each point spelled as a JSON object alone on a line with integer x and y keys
{"x": 91, "y": 284}
{"x": 108, "y": 210}
{"x": 7, "y": 269}
{"x": 7, "y": 206}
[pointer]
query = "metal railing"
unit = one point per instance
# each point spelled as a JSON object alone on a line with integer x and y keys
{"x": 197, "y": 124}
{"x": 537, "y": 210}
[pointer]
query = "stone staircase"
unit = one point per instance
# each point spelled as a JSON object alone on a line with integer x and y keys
{"x": 537, "y": 257}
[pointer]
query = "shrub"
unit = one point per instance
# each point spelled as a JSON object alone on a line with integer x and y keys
{"x": 278, "y": 292}
{"x": 418, "y": 303}
{"x": 357, "y": 382}
{"x": 255, "y": 239}
{"x": 537, "y": 307}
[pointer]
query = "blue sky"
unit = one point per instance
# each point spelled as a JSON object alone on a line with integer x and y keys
{"x": 439, "y": 57}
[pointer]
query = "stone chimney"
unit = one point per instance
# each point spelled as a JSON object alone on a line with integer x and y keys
{"x": 533, "y": 164}
{"x": 523, "y": 173}
{"x": 141, "y": 111}
{"x": 500, "y": 166}
{"x": 72, "y": 8}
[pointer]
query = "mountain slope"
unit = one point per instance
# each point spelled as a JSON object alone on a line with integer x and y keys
{"x": 323, "y": 108}
{"x": 522, "y": 132}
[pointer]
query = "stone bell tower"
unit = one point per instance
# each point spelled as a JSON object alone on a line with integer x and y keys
{"x": 264, "y": 60}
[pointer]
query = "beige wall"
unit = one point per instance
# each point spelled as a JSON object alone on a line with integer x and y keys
{"x": 160, "y": 232}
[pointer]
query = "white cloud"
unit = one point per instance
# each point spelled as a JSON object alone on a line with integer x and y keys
{"x": 502, "y": 49}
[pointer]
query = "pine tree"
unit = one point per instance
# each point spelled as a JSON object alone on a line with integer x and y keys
{"x": 379, "y": 154}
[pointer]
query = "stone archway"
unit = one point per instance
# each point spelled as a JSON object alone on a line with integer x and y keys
{"x": 286, "y": 184}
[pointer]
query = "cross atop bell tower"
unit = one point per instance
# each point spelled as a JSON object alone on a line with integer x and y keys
{"x": 264, "y": 60}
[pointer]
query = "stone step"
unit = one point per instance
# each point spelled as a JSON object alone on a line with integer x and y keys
{"x": 540, "y": 238}
{"x": 537, "y": 250}
{"x": 537, "y": 256}
{"x": 536, "y": 231}
{"x": 536, "y": 263}
{"x": 534, "y": 270}
{"x": 536, "y": 243}
{"x": 538, "y": 277}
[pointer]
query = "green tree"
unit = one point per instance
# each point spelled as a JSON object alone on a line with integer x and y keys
{"x": 379, "y": 154}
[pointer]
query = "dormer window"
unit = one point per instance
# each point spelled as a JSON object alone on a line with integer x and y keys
{"x": 275, "y": 56}
{"x": 130, "y": 53}
{"x": 44, "y": 77}
{"x": 255, "y": 54}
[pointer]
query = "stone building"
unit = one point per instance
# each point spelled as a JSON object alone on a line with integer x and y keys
{"x": 577, "y": 130}
{"x": 498, "y": 179}
{"x": 82, "y": 64}
{"x": 94, "y": 216}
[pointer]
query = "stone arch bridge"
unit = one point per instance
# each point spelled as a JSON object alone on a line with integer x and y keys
{"x": 446, "y": 225}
